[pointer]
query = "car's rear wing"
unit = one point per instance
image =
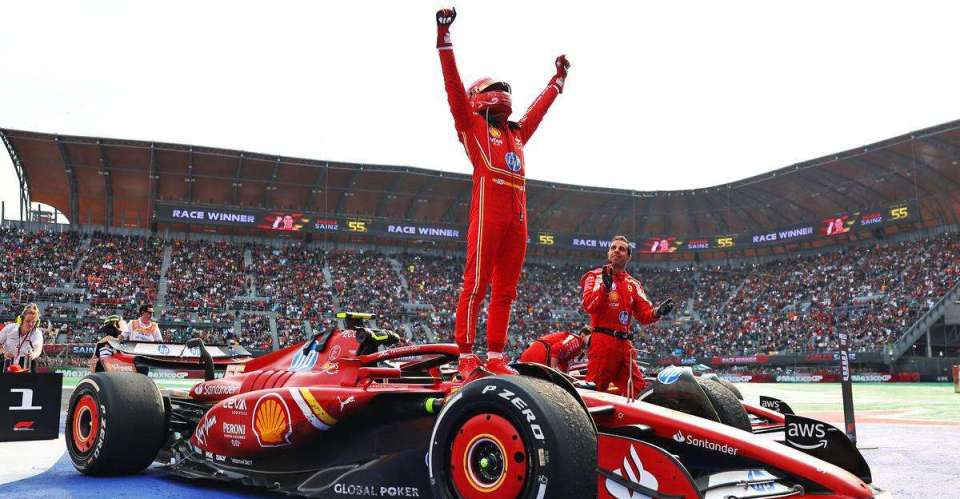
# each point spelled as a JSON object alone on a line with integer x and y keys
{"x": 176, "y": 350}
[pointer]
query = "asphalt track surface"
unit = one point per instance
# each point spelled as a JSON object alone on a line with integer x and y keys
{"x": 910, "y": 457}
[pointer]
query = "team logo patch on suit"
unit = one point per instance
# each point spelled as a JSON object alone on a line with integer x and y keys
{"x": 513, "y": 161}
{"x": 496, "y": 136}
{"x": 624, "y": 317}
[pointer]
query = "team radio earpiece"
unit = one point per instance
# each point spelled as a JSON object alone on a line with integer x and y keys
{"x": 24, "y": 311}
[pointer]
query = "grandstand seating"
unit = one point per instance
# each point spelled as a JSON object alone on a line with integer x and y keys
{"x": 873, "y": 292}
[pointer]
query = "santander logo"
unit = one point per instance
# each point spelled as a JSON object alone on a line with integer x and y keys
{"x": 633, "y": 471}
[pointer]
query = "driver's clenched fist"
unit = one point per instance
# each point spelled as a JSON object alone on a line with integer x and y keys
{"x": 445, "y": 17}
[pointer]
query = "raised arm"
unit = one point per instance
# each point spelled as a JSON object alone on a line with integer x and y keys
{"x": 594, "y": 291}
{"x": 456, "y": 94}
{"x": 531, "y": 119}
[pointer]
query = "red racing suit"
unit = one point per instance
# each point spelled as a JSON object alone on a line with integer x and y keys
{"x": 562, "y": 345}
{"x": 497, "y": 231}
{"x": 611, "y": 357}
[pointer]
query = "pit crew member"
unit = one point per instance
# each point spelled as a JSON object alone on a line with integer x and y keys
{"x": 558, "y": 349}
{"x": 22, "y": 341}
{"x": 497, "y": 231}
{"x": 612, "y": 298}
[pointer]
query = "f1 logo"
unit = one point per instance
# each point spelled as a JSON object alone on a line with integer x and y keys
{"x": 26, "y": 400}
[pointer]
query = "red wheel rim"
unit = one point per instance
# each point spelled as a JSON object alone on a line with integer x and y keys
{"x": 86, "y": 423}
{"x": 488, "y": 458}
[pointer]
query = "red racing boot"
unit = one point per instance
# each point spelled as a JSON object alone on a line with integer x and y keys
{"x": 498, "y": 365}
{"x": 470, "y": 368}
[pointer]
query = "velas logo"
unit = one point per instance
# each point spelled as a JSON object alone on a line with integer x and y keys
{"x": 633, "y": 471}
{"x": 704, "y": 444}
{"x": 271, "y": 421}
{"x": 669, "y": 375}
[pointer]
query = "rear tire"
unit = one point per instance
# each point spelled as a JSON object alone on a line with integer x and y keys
{"x": 116, "y": 424}
{"x": 729, "y": 409}
{"x": 509, "y": 437}
{"x": 730, "y": 386}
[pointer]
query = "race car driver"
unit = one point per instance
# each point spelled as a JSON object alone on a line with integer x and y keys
{"x": 497, "y": 231}
{"x": 111, "y": 328}
{"x": 612, "y": 297}
{"x": 558, "y": 349}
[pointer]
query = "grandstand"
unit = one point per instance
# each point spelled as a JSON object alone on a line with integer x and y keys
{"x": 263, "y": 249}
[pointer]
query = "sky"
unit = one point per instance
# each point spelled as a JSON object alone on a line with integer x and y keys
{"x": 660, "y": 96}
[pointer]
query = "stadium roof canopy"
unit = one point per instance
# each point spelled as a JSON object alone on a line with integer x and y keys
{"x": 117, "y": 182}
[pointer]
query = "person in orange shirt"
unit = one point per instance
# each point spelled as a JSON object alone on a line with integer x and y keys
{"x": 144, "y": 328}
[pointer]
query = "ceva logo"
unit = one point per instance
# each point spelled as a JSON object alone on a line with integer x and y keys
{"x": 633, "y": 471}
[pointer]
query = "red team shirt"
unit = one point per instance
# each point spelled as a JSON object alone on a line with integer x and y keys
{"x": 565, "y": 346}
{"x": 613, "y": 309}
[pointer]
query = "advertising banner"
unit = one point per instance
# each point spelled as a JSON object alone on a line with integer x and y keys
{"x": 292, "y": 221}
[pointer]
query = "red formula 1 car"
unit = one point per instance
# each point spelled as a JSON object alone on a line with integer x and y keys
{"x": 350, "y": 414}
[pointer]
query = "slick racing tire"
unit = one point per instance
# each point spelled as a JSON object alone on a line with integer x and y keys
{"x": 509, "y": 437}
{"x": 730, "y": 386}
{"x": 115, "y": 424}
{"x": 729, "y": 409}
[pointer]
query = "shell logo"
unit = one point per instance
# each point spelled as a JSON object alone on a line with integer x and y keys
{"x": 271, "y": 421}
{"x": 494, "y": 133}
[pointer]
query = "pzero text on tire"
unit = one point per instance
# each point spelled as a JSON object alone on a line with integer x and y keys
{"x": 513, "y": 437}
{"x": 729, "y": 409}
{"x": 115, "y": 424}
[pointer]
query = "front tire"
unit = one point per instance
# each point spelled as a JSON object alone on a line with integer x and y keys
{"x": 730, "y": 386}
{"x": 729, "y": 409}
{"x": 116, "y": 424}
{"x": 513, "y": 437}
